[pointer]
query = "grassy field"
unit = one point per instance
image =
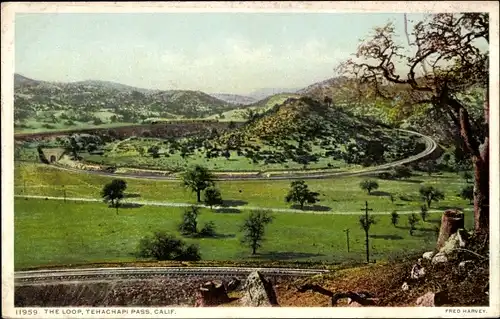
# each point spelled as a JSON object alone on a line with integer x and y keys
{"x": 53, "y": 232}
{"x": 337, "y": 194}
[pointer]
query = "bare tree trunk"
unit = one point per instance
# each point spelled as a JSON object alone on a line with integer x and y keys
{"x": 481, "y": 178}
{"x": 451, "y": 222}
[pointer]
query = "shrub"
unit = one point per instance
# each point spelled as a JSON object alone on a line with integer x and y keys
{"x": 394, "y": 218}
{"x": 208, "y": 230}
{"x": 412, "y": 221}
{"x": 189, "y": 223}
{"x": 368, "y": 185}
{"x": 402, "y": 172}
{"x": 163, "y": 246}
{"x": 424, "y": 212}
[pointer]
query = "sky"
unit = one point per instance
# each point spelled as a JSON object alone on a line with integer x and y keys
{"x": 211, "y": 52}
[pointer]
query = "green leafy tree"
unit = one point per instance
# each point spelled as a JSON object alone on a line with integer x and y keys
{"x": 154, "y": 151}
{"x": 189, "y": 223}
{"x": 163, "y": 246}
{"x": 468, "y": 193}
{"x": 430, "y": 194}
{"x": 197, "y": 179}
{"x": 113, "y": 192}
{"x": 412, "y": 221}
{"x": 253, "y": 229}
{"x": 394, "y": 218}
{"x": 402, "y": 172}
{"x": 424, "y": 211}
{"x": 212, "y": 197}
{"x": 299, "y": 193}
{"x": 368, "y": 185}
{"x": 467, "y": 176}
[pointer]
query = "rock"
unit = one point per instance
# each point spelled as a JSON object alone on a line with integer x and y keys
{"x": 428, "y": 255}
{"x": 463, "y": 238}
{"x": 211, "y": 294}
{"x": 258, "y": 292}
{"x": 431, "y": 299}
{"x": 405, "y": 286}
{"x": 417, "y": 272}
{"x": 439, "y": 258}
{"x": 465, "y": 264}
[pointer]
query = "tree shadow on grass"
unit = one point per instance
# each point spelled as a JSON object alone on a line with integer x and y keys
{"x": 379, "y": 193}
{"x": 317, "y": 208}
{"x": 284, "y": 255}
{"x": 227, "y": 210}
{"x": 414, "y": 181}
{"x": 233, "y": 202}
{"x": 130, "y": 205}
{"x": 131, "y": 195}
{"x": 386, "y": 237}
{"x": 443, "y": 208}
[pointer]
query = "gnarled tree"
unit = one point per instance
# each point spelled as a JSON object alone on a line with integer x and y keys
{"x": 444, "y": 58}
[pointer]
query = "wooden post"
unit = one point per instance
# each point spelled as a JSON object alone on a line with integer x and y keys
{"x": 366, "y": 209}
{"x": 451, "y": 222}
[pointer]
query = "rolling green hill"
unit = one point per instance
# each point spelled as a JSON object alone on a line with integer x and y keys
{"x": 49, "y": 105}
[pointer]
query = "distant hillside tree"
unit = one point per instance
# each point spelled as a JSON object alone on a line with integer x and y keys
{"x": 368, "y": 185}
{"x": 197, "y": 179}
{"x": 212, "y": 197}
{"x": 299, "y": 193}
{"x": 468, "y": 193}
{"x": 430, "y": 194}
{"x": 113, "y": 192}
{"x": 394, "y": 218}
{"x": 412, "y": 221}
{"x": 253, "y": 229}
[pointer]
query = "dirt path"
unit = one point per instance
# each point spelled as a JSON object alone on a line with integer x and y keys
{"x": 176, "y": 204}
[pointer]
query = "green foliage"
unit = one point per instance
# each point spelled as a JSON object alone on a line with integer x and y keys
{"x": 208, "y": 230}
{"x": 189, "y": 224}
{"x": 394, "y": 218}
{"x": 430, "y": 194}
{"x": 424, "y": 211}
{"x": 113, "y": 192}
{"x": 368, "y": 185}
{"x": 467, "y": 176}
{"x": 197, "y": 179}
{"x": 299, "y": 193}
{"x": 366, "y": 223}
{"x": 212, "y": 197}
{"x": 402, "y": 172}
{"x": 163, "y": 246}
{"x": 253, "y": 229}
{"x": 412, "y": 221}
{"x": 467, "y": 193}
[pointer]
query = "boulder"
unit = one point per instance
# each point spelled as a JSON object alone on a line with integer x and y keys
{"x": 211, "y": 294}
{"x": 431, "y": 299}
{"x": 417, "y": 272}
{"x": 439, "y": 258}
{"x": 405, "y": 286}
{"x": 258, "y": 292}
{"x": 466, "y": 264}
{"x": 450, "y": 245}
{"x": 428, "y": 255}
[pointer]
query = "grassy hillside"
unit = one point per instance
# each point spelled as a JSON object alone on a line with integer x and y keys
{"x": 46, "y": 105}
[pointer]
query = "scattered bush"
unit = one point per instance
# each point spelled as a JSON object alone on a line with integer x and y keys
{"x": 163, "y": 246}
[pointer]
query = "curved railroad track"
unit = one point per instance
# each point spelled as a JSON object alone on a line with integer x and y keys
{"x": 431, "y": 147}
{"x": 137, "y": 273}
